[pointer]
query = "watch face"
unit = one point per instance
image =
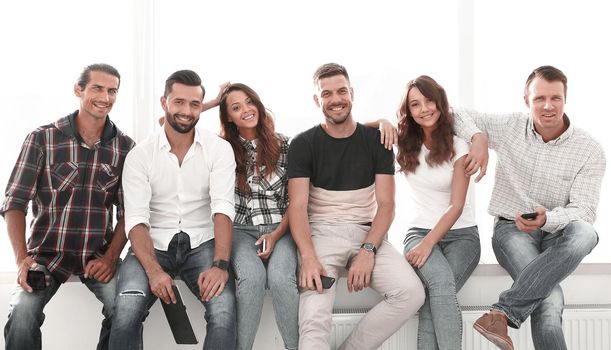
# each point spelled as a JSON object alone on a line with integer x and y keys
{"x": 368, "y": 246}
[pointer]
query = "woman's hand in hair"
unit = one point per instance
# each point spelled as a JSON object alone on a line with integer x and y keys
{"x": 217, "y": 99}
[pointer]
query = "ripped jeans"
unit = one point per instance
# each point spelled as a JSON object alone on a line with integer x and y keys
{"x": 134, "y": 297}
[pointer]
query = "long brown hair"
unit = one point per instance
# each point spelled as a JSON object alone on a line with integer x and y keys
{"x": 268, "y": 143}
{"x": 411, "y": 135}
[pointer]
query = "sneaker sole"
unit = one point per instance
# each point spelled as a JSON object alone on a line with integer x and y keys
{"x": 493, "y": 338}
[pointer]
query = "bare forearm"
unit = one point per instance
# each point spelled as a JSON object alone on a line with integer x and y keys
{"x": 222, "y": 237}
{"x": 143, "y": 248}
{"x": 281, "y": 229}
{"x": 119, "y": 238}
{"x": 15, "y": 225}
{"x": 381, "y": 223}
{"x": 445, "y": 223}
{"x": 300, "y": 230}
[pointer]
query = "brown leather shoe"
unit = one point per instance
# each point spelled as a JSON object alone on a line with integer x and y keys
{"x": 493, "y": 326}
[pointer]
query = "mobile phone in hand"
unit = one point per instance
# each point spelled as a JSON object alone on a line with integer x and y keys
{"x": 262, "y": 247}
{"x": 529, "y": 216}
{"x": 326, "y": 281}
{"x": 36, "y": 280}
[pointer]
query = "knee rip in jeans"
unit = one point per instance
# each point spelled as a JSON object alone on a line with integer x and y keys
{"x": 133, "y": 293}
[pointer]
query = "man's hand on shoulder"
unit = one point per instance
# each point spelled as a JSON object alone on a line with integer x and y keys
{"x": 101, "y": 269}
{"x": 359, "y": 273}
{"x": 477, "y": 159}
{"x": 212, "y": 283}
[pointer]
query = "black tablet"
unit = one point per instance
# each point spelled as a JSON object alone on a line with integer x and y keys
{"x": 178, "y": 319}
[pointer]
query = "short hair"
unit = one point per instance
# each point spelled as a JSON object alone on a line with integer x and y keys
{"x": 329, "y": 70}
{"x": 85, "y": 76}
{"x": 185, "y": 77}
{"x": 550, "y": 74}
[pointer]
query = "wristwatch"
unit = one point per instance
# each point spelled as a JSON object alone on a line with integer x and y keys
{"x": 369, "y": 247}
{"x": 221, "y": 264}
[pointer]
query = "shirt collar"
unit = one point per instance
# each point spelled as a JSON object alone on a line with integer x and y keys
{"x": 250, "y": 145}
{"x": 67, "y": 126}
{"x": 164, "y": 143}
{"x": 560, "y": 139}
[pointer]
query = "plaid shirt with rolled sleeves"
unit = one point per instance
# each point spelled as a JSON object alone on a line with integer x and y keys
{"x": 269, "y": 198}
{"x": 73, "y": 189}
{"x": 563, "y": 175}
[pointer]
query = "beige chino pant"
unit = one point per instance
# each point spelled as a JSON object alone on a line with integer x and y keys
{"x": 392, "y": 277}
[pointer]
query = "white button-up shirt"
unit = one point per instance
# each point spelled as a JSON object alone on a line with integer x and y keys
{"x": 170, "y": 198}
{"x": 563, "y": 175}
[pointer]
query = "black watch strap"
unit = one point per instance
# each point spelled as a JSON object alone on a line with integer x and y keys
{"x": 221, "y": 264}
{"x": 369, "y": 247}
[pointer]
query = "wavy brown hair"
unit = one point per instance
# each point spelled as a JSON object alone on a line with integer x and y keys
{"x": 411, "y": 135}
{"x": 268, "y": 143}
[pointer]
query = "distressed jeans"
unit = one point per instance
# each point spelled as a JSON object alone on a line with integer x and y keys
{"x": 134, "y": 297}
{"x": 25, "y": 316}
{"x": 446, "y": 270}
{"x": 538, "y": 262}
{"x": 253, "y": 275}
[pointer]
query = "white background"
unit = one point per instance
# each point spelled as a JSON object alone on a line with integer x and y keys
{"x": 480, "y": 51}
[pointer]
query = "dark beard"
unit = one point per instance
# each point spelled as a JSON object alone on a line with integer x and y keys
{"x": 171, "y": 119}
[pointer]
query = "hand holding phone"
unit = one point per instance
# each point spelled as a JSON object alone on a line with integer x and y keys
{"x": 37, "y": 280}
{"x": 262, "y": 247}
{"x": 529, "y": 216}
{"x": 326, "y": 281}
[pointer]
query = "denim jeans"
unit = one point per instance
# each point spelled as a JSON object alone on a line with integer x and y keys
{"x": 538, "y": 262}
{"x": 253, "y": 274}
{"x": 134, "y": 297}
{"x": 25, "y": 316}
{"x": 450, "y": 264}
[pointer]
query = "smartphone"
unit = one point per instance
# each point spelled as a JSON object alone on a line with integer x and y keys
{"x": 177, "y": 317}
{"x": 37, "y": 280}
{"x": 529, "y": 216}
{"x": 263, "y": 246}
{"x": 326, "y": 281}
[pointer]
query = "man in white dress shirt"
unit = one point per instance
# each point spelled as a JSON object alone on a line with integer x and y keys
{"x": 179, "y": 207}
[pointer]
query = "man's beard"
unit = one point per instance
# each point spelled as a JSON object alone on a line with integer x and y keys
{"x": 183, "y": 129}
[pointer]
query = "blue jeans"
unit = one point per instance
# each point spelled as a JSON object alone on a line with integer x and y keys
{"x": 25, "y": 317}
{"x": 450, "y": 264}
{"x": 253, "y": 274}
{"x": 538, "y": 262}
{"x": 134, "y": 297}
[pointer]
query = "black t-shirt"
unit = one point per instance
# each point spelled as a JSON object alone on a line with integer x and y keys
{"x": 343, "y": 164}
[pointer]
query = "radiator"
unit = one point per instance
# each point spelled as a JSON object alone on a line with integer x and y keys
{"x": 586, "y": 327}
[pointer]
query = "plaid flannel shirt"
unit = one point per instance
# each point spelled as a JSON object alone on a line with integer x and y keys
{"x": 268, "y": 200}
{"x": 73, "y": 189}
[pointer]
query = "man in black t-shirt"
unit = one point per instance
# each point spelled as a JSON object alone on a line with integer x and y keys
{"x": 341, "y": 190}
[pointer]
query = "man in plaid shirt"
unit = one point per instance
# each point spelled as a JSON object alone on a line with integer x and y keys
{"x": 546, "y": 190}
{"x": 70, "y": 170}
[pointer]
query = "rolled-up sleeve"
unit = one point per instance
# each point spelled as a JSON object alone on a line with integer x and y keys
{"x": 136, "y": 189}
{"x": 22, "y": 185}
{"x": 222, "y": 180}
